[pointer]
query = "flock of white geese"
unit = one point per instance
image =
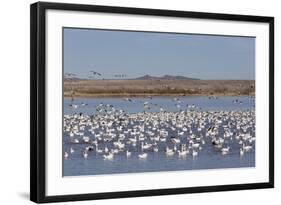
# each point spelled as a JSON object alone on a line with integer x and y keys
{"x": 111, "y": 132}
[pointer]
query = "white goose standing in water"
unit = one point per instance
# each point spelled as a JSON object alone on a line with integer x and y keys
{"x": 194, "y": 153}
{"x": 241, "y": 151}
{"x": 65, "y": 155}
{"x": 71, "y": 150}
{"x": 128, "y": 153}
{"x": 85, "y": 154}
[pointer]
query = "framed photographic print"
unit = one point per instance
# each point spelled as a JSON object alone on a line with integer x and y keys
{"x": 129, "y": 102}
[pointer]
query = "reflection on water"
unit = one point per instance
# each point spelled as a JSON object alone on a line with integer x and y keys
{"x": 229, "y": 118}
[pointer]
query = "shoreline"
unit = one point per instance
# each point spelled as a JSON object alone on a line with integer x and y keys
{"x": 144, "y": 88}
{"x": 106, "y": 95}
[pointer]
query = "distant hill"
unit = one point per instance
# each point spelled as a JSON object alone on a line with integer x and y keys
{"x": 165, "y": 77}
{"x": 145, "y": 77}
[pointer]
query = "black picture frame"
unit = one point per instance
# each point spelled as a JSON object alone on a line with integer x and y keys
{"x": 38, "y": 101}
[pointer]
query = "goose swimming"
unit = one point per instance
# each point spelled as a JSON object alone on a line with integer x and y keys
{"x": 225, "y": 150}
{"x": 169, "y": 151}
{"x": 247, "y": 148}
{"x": 142, "y": 156}
{"x": 145, "y": 146}
{"x": 194, "y": 153}
{"x": 108, "y": 156}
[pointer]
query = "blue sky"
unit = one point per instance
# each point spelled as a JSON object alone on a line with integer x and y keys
{"x": 139, "y": 53}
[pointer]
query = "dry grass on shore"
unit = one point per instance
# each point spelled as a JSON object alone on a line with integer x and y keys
{"x": 91, "y": 88}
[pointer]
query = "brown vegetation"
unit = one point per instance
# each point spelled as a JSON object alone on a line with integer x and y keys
{"x": 88, "y": 88}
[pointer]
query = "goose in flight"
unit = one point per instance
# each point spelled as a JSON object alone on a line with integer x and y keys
{"x": 95, "y": 73}
{"x": 69, "y": 75}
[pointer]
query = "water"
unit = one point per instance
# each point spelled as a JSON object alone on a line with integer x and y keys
{"x": 208, "y": 157}
{"x": 222, "y": 103}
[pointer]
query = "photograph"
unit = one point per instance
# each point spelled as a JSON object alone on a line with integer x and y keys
{"x": 129, "y": 101}
{"x": 144, "y": 101}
